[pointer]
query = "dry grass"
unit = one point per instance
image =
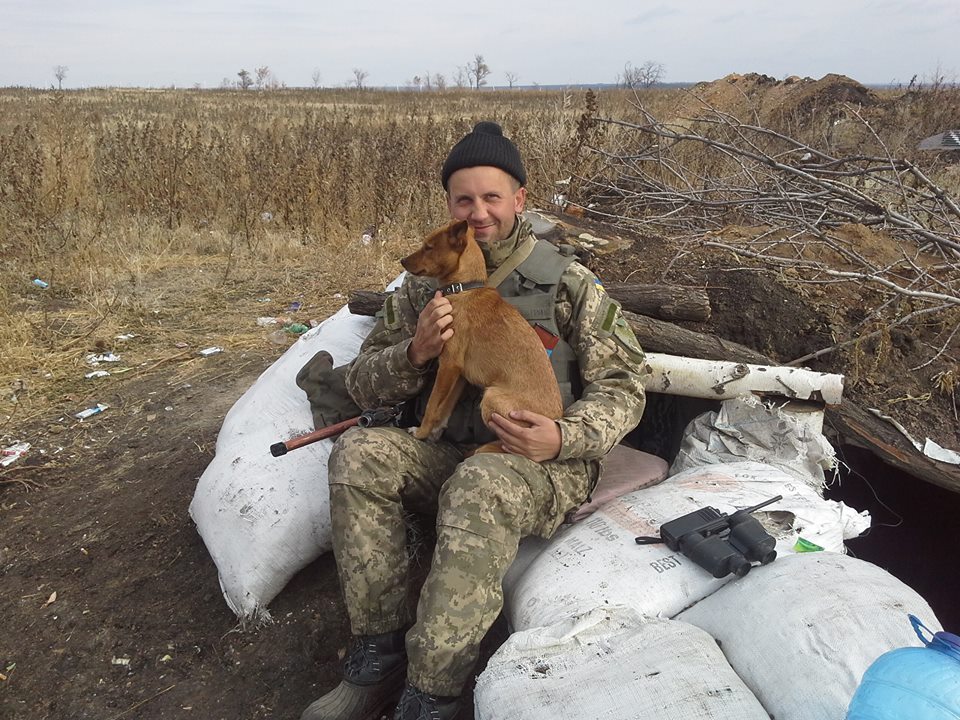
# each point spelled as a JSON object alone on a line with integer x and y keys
{"x": 171, "y": 214}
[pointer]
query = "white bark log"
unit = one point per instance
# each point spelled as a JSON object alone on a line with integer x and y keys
{"x": 719, "y": 379}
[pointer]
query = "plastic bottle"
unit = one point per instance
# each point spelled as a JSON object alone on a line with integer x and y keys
{"x": 912, "y": 683}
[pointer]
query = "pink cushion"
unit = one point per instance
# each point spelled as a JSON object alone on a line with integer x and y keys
{"x": 624, "y": 470}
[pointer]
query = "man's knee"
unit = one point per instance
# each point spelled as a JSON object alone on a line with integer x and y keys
{"x": 484, "y": 492}
{"x": 357, "y": 454}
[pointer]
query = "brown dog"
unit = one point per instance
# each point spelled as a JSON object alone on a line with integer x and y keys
{"x": 492, "y": 347}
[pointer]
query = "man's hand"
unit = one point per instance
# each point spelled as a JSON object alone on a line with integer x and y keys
{"x": 434, "y": 328}
{"x": 540, "y": 441}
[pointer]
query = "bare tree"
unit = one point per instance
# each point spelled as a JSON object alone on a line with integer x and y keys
{"x": 245, "y": 82}
{"x": 60, "y": 72}
{"x": 460, "y": 77}
{"x": 316, "y": 77}
{"x": 439, "y": 81}
{"x": 478, "y": 71}
{"x": 263, "y": 76}
{"x": 359, "y": 77}
{"x": 512, "y": 78}
{"x": 644, "y": 77}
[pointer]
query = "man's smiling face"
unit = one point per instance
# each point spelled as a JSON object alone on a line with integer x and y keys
{"x": 488, "y": 198}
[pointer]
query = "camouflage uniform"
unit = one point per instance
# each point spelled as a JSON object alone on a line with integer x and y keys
{"x": 484, "y": 504}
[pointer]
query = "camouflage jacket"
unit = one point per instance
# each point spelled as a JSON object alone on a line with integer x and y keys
{"x": 609, "y": 357}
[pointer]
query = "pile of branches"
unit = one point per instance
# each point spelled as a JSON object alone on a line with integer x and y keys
{"x": 694, "y": 176}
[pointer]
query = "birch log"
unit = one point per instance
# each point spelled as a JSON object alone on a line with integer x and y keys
{"x": 720, "y": 379}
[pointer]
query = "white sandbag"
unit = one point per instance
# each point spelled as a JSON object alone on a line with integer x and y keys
{"x": 597, "y": 562}
{"x": 263, "y": 518}
{"x": 801, "y": 631}
{"x": 746, "y": 429}
{"x": 612, "y": 663}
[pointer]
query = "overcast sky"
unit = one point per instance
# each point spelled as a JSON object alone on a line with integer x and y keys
{"x": 156, "y": 43}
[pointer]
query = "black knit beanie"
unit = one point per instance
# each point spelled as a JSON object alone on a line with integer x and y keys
{"x": 486, "y": 145}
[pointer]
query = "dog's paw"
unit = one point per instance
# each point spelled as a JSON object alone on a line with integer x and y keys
{"x": 435, "y": 435}
{"x": 417, "y": 432}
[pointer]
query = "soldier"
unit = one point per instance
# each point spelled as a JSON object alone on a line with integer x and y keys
{"x": 483, "y": 504}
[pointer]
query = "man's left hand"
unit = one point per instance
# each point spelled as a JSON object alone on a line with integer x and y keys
{"x": 536, "y": 436}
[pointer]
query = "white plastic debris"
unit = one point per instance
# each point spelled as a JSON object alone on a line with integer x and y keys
{"x": 94, "y": 359}
{"x": 929, "y": 448}
{"x": 265, "y": 320}
{"x": 90, "y": 412}
{"x": 127, "y": 336}
{"x": 207, "y": 352}
{"x": 97, "y": 374}
{"x": 13, "y": 453}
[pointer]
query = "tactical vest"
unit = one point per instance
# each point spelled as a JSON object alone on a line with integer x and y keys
{"x": 532, "y": 289}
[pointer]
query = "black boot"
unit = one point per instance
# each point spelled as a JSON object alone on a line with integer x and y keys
{"x": 373, "y": 673}
{"x": 417, "y": 705}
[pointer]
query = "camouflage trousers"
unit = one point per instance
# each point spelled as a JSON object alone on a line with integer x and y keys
{"x": 483, "y": 504}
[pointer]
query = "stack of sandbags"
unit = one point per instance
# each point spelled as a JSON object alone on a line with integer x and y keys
{"x": 801, "y": 631}
{"x": 597, "y": 563}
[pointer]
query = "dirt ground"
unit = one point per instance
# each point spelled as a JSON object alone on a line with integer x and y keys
{"x": 111, "y": 606}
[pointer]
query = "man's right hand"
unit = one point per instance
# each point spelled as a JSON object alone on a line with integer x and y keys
{"x": 434, "y": 328}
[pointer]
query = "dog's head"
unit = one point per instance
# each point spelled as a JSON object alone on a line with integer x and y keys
{"x": 440, "y": 255}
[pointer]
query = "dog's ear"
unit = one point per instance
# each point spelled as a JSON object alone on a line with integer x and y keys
{"x": 458, "y": 234}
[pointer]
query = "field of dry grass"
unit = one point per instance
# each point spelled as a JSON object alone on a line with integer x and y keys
{"x": 175, "y": 213}
{"x": 136, "y": 207}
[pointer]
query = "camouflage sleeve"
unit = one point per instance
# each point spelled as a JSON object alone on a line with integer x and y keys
{"x": 611, "y": 362}
{"x": 382, "y": 374}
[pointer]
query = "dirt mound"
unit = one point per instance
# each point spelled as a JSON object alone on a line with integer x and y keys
{"x": 773, "y": 103}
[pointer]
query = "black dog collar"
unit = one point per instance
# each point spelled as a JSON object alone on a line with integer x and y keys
{"x": 454, "y": 288}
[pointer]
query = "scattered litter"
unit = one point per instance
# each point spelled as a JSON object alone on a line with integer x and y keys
{"x": 40, "y": 283}
{"x": 50, "y": 600}
{"x": 264, "y": 321}
{"x": 278, "y": 337}
{"x": 929, "y": 448}
{"x": 937, "y": 452}
{"x": 294, "y": 306}
{"x": 266, "y": 216}
{"x": 366, "y": 238}
{"x": 90, "y": 412}
{"x": 296, "y": 328}
{"x": 263, "y": 299}
{"x": 802, "y": 545}
{"x": 181, "y": 345}
{"x": 95, "y": 360}
{"x": 166, "y": 658}
{"x": 97, "y": 374}
{"x": 168, "y": 408}
{"x": 338, "y": 296}
{"x": 127, "y": 336}
{"x": 120, "y": 661}
{"x": 207, "y": 352}
{"x": 13, "y": 453}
